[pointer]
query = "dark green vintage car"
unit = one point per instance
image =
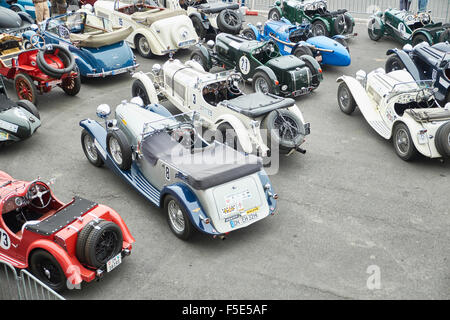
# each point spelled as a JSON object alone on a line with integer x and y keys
{"x": 262, "y": 63}
{"x": 407, "y": 27}
{"x": 315, "y": 12}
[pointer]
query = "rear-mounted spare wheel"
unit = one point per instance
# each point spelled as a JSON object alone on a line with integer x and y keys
{"x": 442, "y": 140}
{"x": 104, "y": 242}
{"x": 62, "y": 53}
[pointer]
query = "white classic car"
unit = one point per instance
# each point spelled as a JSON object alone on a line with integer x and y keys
{"x": 244, "y": 121}
{"x": 398, "y": 107}
{"x": 156, "y": 30}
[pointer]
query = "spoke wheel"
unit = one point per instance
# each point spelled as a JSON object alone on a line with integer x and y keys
{"x": 403, "y": 144}
{"x": 178, "y": 220}
{"x": 25, "y": 88}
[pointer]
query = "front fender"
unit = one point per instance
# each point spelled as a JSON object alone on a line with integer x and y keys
{"x": 239, "y": 128}
{"x": 187, "y": 198}
{"x": 407, "y": 61}
{"x": 357, "y": 90}
{"x": 425, "y": 33}
{"x": 149, "y": 86}
{"x": 206, "y": 54}
{"x": 272, "y": 77}
{"x": 98, "y": 133}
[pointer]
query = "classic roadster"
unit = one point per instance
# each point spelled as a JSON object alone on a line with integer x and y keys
{"x": 407, "y": 27}
{"x": 245, "y": 122}
{"x": 262, "y": 63}
{"x": 298, "y": 40}
{"x": 98, "y": 48}
{"x": 62, "y": 244}
{"x": 14, "y": 23}
{"x": 400, "y": 108}
{"x": 156, "y": 30}
{"x": 208, "y": 187}
{"x": 425, "y": 62}
{"x": 18, "y": 120}
{"x": 324, "y": 22}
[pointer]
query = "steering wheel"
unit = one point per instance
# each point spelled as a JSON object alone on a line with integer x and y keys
{"x": 190, "y": 3}
{"x": 321, "y": 7}
{"x": 186, "y": 136}
{"x": 37, "y": 194}
{"x": 425, "y": 95}
{"x": 234, "y": 83}
{"x": 269, "y": 49}
{"x": 425, "y": 18}
{"x": 37, "y": 41}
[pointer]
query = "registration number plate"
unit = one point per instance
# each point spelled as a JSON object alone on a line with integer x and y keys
{"x": 186, "y": 43}
{"x": 244, "y": 218}
{"x": 300, "y": 92}
{"x": 114, "y": 262}
{"x": 421, "y": 137}
{"x": 3, "y": 136}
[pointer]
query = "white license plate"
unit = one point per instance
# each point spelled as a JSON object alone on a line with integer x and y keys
{"x": 421, "y": 137}
{"x": 243, "y": 219}
{"x": 114, "y": 262}
{"x": 8, "y": 126}
{"x": 3, "y": 136}
{"x": 300, "y": 92}
{"x": 186, "y": 43}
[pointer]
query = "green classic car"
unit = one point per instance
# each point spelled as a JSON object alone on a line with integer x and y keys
{"x": 407, "y": 27}
{"x": 324, "y": 22}
{"x": 262, "y": 63}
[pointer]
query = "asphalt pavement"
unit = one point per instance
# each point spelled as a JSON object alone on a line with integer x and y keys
{"x": 350, "y": 211}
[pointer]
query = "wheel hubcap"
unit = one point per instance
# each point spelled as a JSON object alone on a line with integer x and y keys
{"x": 116, "y": 153}
{"x": 261, "y": 85}
{"x": 402, "y": 141}
{"x": 144, "y": 45}
{"x": 176, "y": 217}
{"x": 90, "y": 148}
{"x": 344, "y": 98}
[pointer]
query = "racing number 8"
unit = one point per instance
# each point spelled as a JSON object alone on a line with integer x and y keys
{"x": 167, "y": 173}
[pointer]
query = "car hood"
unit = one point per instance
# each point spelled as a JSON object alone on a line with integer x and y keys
{"x": 107, "y": 58}
{"x": 9, "y": 19}
{"x": 339, "y": 57}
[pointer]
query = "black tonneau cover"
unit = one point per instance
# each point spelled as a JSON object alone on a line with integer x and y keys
{"x": 203, "y": 169}
{"x": 257, "y": 104}
{"x": 62, "y": 218}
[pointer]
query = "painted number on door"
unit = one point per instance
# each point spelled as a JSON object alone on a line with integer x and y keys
{"x": 167, "y": 173}
{"x": 244, "y": 65}
{"x": 4, "y": 240}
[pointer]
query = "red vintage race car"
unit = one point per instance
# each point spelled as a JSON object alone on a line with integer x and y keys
{"x": 62, "y": 244}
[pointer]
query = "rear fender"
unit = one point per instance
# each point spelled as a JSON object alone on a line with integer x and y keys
{"x": 187, "y": 198}
{"x": 314, "y": 62}
{"x": 241, "y": 131}
{"x": 117, "y": 219}
{"x": 425, "y": 33}
{"x": 148, "y": 84}
{"x": 414, "y": 128}
{"x": 407, "y": 61}
{"x": 271, "y": 75}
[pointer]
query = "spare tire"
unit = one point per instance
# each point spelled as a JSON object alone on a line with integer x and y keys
{"x": 103, "y": 243}
{"x": 62, "y": 53}
{"x": 442, "y": 140}
{"x": 343, "y": 24}
{"x": 229, "y": 21}
{"x": 81, "y": 240}
{"x": 284, "y": 128}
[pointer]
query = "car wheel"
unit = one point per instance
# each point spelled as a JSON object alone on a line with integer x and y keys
{"x": 419, "y": 38}
{"x": 138, "y": 90}
{"x": 262, "y": 83}
{"x": 90, "y": 150}
{"x": 71, "y": 86}
{"x": 344, "y": 43}
{"x": 320, "y": 29}
{"x": 25, "y": 88}
{"x": 200, "y": 58}
{"x": 229, "y": 21}
{"x": 119, "y": 149}
{"x": 143, "y": 47}
{"x": 345, "y": 98}
{"x": 103, "y": 243}
{"x": 249, "y": 33}
{"x": 371, "y": 30}
{"x": 198, "y": 26}
{"x": 274, "y": 14}
{"x": 30, "y": 107}
{"x": 47, "y": 269}
{"x": 301, "y": 51}
{"x": 442, "y": 140}
{"x": 394, "y": 63}
{"x": 178, "y": 220}
{"x": 81, "y": 240}
{"x": 403, "y": 143}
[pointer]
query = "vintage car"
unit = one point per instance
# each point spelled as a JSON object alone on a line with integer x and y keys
{"x": 22, "y": 6}
{"x": 62, "y": 244}
{"x": 39, "y": 69}
{"x": 208, "y": 187}
{"x": 18, "y": 120}
{"x": 298, "y": 40}
{"x": 14, "y": 23}
{"x": 324, "y": 22}
{"x": 253, "y": 123}
{"x": 99, "y": 50}
{"x": 156, "y": 30}
{"x": 400, "y": 108}
{"x": 262, "y": 63}
{"x": 407, "y": 27}
{"x": 210, "y": 18}
{"x": 425, "y": 62}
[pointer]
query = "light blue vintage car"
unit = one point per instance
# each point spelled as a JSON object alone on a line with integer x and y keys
{"x": 99, "y": 49}
{"x": 21, "y": 5}
{"x": 298, "y": 40}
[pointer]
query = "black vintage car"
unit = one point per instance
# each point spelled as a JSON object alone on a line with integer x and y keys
{"x": 18, "y": 120}
{"x": 425, "y": 62}
{"x": 14, "y": 22}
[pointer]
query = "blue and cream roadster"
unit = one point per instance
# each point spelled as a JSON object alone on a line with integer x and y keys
{"x": 299, "y": 40}
{"x": 98, "y": 48}
{"x": 205, "y": 186}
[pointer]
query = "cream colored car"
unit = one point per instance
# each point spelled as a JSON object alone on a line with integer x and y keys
{"x": 156, "y": 30}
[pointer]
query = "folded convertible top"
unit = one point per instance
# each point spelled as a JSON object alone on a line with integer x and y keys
{"x": 209, "y": 167}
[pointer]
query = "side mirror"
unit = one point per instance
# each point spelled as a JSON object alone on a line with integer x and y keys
{"x": 103, "y": 111}
{"x": 407, "y": 48}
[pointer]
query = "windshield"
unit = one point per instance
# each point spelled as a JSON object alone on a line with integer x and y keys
{"x": 170, "y": 123}
{"x": 411, "y": 87}
{"x": 79, "y": 22}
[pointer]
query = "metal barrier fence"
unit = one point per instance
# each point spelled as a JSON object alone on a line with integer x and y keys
{"x": 440, "y": 9}
{"x": 23, "y": 286}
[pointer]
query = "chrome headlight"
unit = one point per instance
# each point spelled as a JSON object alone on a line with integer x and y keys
{"x": 103, "y": 111}
{"x": 156, "y": 68}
